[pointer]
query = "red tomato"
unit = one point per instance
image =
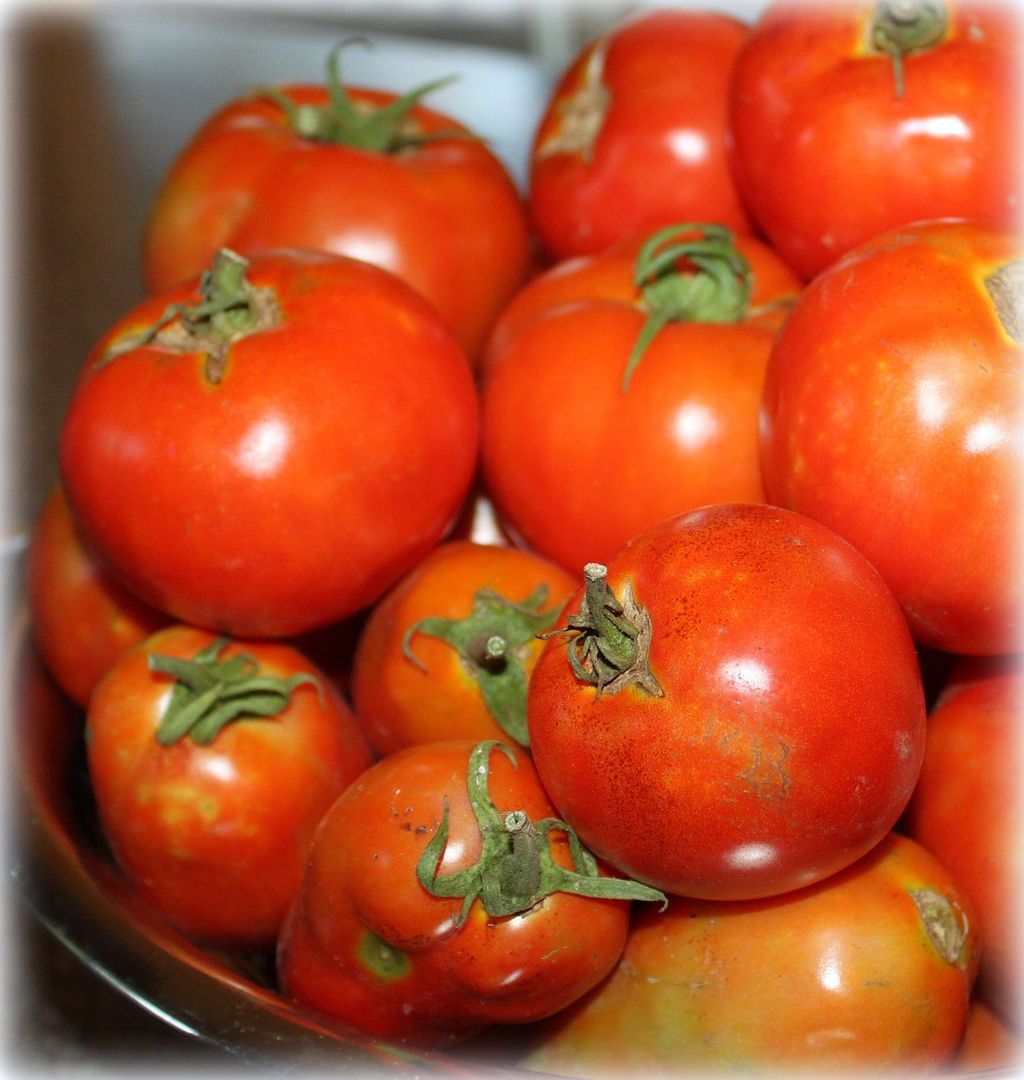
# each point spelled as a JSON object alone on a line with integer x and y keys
{"x": 576, "y": 459}
{"x": 285, "y": 476}
{"x": 966, "y": 810}
{"x": 415, "y": 193}
{"x": 867, "y": 973}
{"x": 448, "y": 652}
{"x": 734, "y": 709}
{"x": 422, "y": 917}
{"x": 82, "y": 618}
{"x": 212, "y": 823}
{"x": 837, "y": 136}
{"x": 893, "y": 413}
{"x": 633, "y": 136}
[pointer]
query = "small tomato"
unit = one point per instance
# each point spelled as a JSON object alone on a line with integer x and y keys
{"x": 212, "y": 762}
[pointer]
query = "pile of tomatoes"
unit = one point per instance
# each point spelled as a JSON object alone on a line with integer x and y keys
{"x": 592, "y": 610}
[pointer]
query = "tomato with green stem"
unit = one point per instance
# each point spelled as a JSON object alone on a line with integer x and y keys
{"x": 355, "y": 171}
{"x": 212, "y": 762}
{"x": 655, "y": 354}
{"x": 442, "y": 896}
{"x": 732, "y": 708}
{"x": 850, "y": 119}
{"x": 269, "y": 450}
{"x": 447, "y": 654}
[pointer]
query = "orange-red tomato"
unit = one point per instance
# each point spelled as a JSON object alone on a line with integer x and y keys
{"x": 213, "y": 827}
{"x": 577, "y": 461}
{"x": 634, "y": 134}
{"x": 448, "y": 652}
{"x": 966, "y": 807}
{"x": 735, "y": 707}
{"x": 868, "y": 971}
{"x": 893, "y": 412}
{"x": 279, "y": 466}
{"x": 430, "y": 203}
{"x": 833, "y": 142}
{"x": 83, "y": 619}
{"x": 367, "y": 942}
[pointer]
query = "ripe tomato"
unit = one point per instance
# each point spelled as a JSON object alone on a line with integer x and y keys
{"x": 633, "y": 137}
{"x": 354, "y": 171}
{"x": 434, "y": 900}
{"x": 966, "y": 810}
{"x": 212, "y": 763}
{"x": 735, "y": 707}
{"x": 271, "y": 479}
{"x": 893, "y": 413}
{"x": 868, "y": 972}
{"x": 82, "y": 618}
{"x": 837, "y": 134}
{"x": 627, "y": 445}
{"x": 448, "y": 652}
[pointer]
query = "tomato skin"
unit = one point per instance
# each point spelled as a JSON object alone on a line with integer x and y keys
{"x": 791, "y": 728}
{"x": 214, "y": 837}
{"x": 399, "y": 703}
{"x": 444, "y": 216}
{"x": 838, "y": 976}
{"x": 361, "y": 881}
{"x": 827, "y": 155}
{"x": 576, "y": 481}
{"x": 965, "y": 808}
{"x": 268, "y": 504}
{"x": 83, "y": 619}
{"x": 989, "y": 1042}
{"x": 659, "y": 154}
{"x": 893, "y": 413}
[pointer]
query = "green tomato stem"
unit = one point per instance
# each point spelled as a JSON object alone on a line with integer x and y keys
{"x": 610, "y": 638}
{"x": 901, "y": 27}
{"x": 684, "y": 277}
{"x": 516, "y": 869}
{"x": 491, "y": 642}
{"x": 209, "y": 693}
{"x": 383, "y": 129}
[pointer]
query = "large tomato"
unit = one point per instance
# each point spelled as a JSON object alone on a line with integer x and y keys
{"x": 634, "y": 134}
{"x": 966, "y": 807}
{"x": 441, "y": 896}
{"x": 278, "y": 465}
{"x": 893, "y": 412}
{"x": 354, "y": 171}
{"x": 448, "y": 652}
{"x": 212, "y": 761}
{"x": 83, "y": 619}
{"x": 734, "y": 708}
{"x": 849, "y": 119}
{"x": 868, "y": 973}
{"x": 592, "y": 428}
